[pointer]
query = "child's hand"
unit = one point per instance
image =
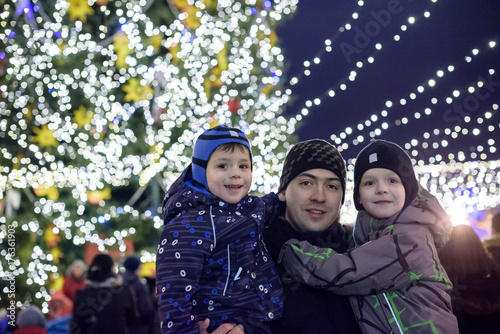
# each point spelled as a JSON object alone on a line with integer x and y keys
{"x": 222, "y": 329}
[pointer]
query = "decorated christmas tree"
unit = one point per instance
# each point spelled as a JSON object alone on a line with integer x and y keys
{"x": 101, "y": 102}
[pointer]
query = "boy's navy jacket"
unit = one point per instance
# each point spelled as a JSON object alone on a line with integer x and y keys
{"x": 212, "y": 261}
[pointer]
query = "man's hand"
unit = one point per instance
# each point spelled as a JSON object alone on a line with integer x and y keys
{"x": 222, "y": 329}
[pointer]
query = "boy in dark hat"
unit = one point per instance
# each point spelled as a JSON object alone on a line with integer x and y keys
{"x": 211, "y": 260}
{"x": 393, "y": 275}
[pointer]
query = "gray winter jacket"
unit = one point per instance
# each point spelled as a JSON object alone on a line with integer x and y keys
{"x": 394, "y": 278}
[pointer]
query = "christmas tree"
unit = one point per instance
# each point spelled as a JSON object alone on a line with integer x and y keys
{"x": 101, "y": 102}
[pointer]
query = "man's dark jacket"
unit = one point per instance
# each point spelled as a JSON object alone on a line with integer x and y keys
{"x": 308, "y": 310}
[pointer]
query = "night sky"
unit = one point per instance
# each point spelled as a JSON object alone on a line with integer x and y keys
{"x": 450, "y": 33}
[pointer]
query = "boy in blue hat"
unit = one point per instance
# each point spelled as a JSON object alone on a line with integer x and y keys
{"x": 211, "y": 260}
{"x": 393, "y": 275}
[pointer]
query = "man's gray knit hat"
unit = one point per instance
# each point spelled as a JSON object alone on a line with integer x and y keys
{"x": 311, "y": 154}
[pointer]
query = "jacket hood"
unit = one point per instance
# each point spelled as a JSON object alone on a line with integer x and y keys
{"x": 110, "y": 282}
{"x": 424, "y": 210}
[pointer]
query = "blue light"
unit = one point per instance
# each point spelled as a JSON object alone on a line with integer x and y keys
{"x": 2, "y": 55}
{"x": 24, "y": 6}
{"x": 58, "y": 34}
{"x": 119, "y": 210}
{"x": 476, "y": 215}
{"x": 276, "y": 78}
{"x": 253, "y": 11}
{"x": 267, "y": 4}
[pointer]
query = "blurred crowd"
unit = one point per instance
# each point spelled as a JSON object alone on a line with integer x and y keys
{"x": 99, "y": 298}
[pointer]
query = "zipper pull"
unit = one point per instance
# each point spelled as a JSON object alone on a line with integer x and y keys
{"x": 237, "y": 277}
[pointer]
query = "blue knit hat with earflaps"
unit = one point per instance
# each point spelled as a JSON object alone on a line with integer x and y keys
{"x": 384, "y": 154}
{"x": 207, "y": 143}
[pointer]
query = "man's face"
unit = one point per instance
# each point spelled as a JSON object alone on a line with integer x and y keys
{"x": 313, "y": 200}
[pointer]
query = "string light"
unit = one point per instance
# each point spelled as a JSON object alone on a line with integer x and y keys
{"x": 343, "y": 84}
{"x": 363, "y": 126}
{"x": 431, "y": 82}
{"x": 482, "y": 122}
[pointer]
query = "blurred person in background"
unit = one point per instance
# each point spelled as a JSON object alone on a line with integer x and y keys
{"x": 475, "y": 297}
{"x": 74, "y": 279}
{"x": 143, "y": 295}
{"x": 493, "y": 244}
{"x": 106, "y": 305}
{"x": 30, "y": 321}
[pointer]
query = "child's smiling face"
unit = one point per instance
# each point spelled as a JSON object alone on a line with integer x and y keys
{"x": 229, "y": 174}
{"x": 381, "y": 192}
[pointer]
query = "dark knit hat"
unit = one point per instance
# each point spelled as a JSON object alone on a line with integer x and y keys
{"x": 131, "y": 263}
{"x": 383, "y": 154}
{"x": 31, "y": 316}
{"x": 207, "y": 143}
{"x": 311, "y": 154}
{"x": 100, "y": 268}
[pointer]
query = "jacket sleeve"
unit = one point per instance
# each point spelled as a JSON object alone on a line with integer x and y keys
{"x": 387, "y": 263}
{"x": 185, "y": 244}
{"x": 273, "y": 207}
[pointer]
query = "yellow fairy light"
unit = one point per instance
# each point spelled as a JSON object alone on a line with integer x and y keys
{"x": 45, "y": 136}
{"x": 137, "y": 92}
{"x": 82, "y": 117}
{"x": 79, "y": 9}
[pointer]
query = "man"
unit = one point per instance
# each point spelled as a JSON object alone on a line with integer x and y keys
{"x": 313, "y": 186}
